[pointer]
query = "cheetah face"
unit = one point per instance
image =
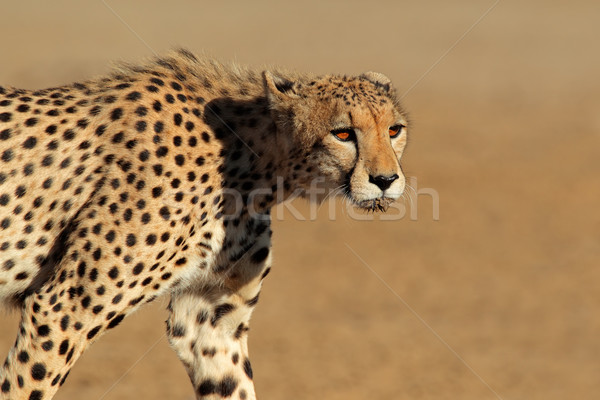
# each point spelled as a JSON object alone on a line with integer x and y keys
{"x": 351, "y": 131}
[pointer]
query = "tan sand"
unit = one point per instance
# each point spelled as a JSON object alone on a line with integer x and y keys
{"x": 502, "y": 290}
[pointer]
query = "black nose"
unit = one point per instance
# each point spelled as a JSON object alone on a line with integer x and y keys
{"x": 383, "y": 182}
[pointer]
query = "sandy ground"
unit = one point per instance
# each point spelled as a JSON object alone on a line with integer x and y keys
{"x": 497, "y": 299}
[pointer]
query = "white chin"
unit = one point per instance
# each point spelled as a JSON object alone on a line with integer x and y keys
{"x": 375, "y": 204}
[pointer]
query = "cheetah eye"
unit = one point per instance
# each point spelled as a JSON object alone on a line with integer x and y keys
{"x": 344, "y": 134}
{"x": 395, "y": 130}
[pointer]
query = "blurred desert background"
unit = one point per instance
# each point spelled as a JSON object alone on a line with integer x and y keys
{"x": 499, "y": 298}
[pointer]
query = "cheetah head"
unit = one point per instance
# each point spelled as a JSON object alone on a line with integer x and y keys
{"x": 350, "y": 130}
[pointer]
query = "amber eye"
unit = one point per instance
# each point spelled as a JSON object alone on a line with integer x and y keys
{"x": 344, "y": 134}
{"x": 395, "y": 130}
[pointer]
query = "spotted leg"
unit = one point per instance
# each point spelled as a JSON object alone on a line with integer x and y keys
{"x": 208, "y": 328}
{"x": 103, "y": 272}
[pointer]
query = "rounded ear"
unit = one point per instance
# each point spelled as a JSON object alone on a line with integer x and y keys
{"x": 378, "y": 79}
{"x": 278, "y": 87}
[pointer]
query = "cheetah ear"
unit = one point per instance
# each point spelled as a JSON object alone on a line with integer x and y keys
{"x": 279, "y": 88}
{"x": 378, "y": 79}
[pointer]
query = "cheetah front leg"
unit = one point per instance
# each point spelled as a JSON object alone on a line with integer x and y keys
{"x": 106, "y": 272}
{"x": 208, "y": 327}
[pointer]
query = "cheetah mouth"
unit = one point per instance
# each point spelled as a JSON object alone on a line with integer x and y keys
{"x": 379, "y": 204}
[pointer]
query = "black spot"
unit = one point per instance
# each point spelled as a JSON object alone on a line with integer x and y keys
{"x": 116, "y": 114}
{"x": 82, "y": 123}
{"x": 64, "y": 347}
{"x": 158, "y": 127}
{"x": 62, "y": 382}
{"x": 38, "y": 371}
{"x": 157, "y": 191}
{"x": 207, "y": 387}
{"x": 93, "y": 332}
{"x": 136, "y": 300}
{"x": 53, "y": 145}
{"x": 139, "y": 267}
{"x": 56, "y": 380}
{"x": 43, "y": 330}
{"x": 5, "y": 134}
{"x": 36, "y": 395}
{"x": 69, "y": 135}
{"x": 220, "y": 312}
{"x": 70, "y": 355}
{"x": 131, "y": 240}
{"x": 110, "y": 236}
{"x": 151, "y": 239}
{"x": 23, "y": 357}
{"x": 64, "y": 323}
{"x": 65, "y": 163}
{"x": 47, "y": 161}
{"x": 100, "y": 130}
{"x": 162, "y": 151}
{"x": 5, "y": 386}
{"x": 30, "y": 142}
{"x": 47, "y": 345}
{"x": 260, "y": 255}
{"x": 178, "y": 330}
{"x": 141, "y": 111}
{"x": 165, "y": 276}
{"x": 227, "y": 386}
{"x": 165, "y": 213}
{"x": 7, "y": 155}
{"x": 157, "y": 106}
{"x": 31, "y": 121}
{"x": 94, "y": 274}
{"x": 248, "y": 368}
{"x": 158, "y": 169}
{"x": 23, "y": 108}
{"x": 21, "y": 276}
{"x": 113, "y": 273}
{"x": 115, "y": 321}
{"x": 133, "y": 96}
{"x": 140, "y": 126}
{"x": 128, "y": 213}
{"x": 81, "y": 269}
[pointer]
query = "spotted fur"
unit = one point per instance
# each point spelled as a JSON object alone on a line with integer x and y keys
{"x": 159, "y": 179}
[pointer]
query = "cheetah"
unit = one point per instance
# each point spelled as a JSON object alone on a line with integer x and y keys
{"x": 159, "y": 178}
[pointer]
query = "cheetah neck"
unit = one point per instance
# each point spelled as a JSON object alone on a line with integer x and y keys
{"x": 258, "y": 166}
